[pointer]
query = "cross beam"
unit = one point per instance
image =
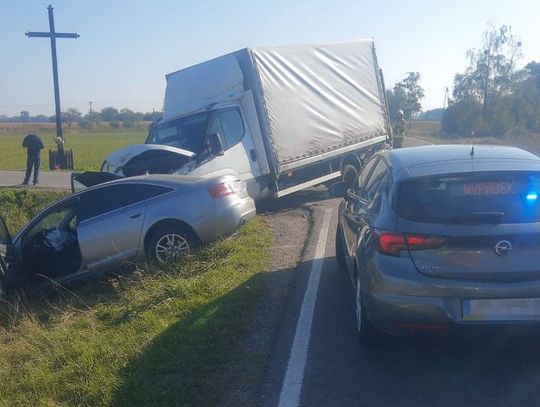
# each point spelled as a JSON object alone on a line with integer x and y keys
{"x": 53, "y": 35}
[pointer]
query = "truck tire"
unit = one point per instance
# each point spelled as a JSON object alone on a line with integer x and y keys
{"x": 349, "y": 173}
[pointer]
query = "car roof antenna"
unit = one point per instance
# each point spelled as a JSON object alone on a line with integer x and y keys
{"x": 472, "y": 148}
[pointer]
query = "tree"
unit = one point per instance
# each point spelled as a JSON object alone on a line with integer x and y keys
{"x": 491, "y": 68}
{"x": 71, "y": 115}
{"x": 406, "y": 95}
{"x": 84, "y": 123}
{"x": 109, "y": 114}
{"x": 92, "y": 117}
{"x": 24, "y": 116}
{"x": 482, "y": 95}
{"x": 433, "y": 115}
{"x": 526, "y": 103}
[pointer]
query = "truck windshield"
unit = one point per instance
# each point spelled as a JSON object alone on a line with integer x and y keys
{"x": 187, "y": 132}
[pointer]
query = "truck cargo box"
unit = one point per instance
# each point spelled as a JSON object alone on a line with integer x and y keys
{"x": 311, "y": 99}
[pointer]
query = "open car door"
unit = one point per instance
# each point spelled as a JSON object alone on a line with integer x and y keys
{"x": 5, "y": 243}
{"x": 80, "y": 181}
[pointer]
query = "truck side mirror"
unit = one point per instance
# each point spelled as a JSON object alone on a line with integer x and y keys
{"x": 215, "y": 144}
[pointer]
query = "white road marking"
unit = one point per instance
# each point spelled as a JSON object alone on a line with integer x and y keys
{"x": 292, "y": 384}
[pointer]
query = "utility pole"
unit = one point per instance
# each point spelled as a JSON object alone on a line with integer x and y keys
{"x": 90, "y": 103}
{"x": 63, "y": 161}
{"x": 446, "y": 98}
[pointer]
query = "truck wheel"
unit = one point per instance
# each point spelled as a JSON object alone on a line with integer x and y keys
{"x": 171, "y": 243}
{"x": 349, "y": 174}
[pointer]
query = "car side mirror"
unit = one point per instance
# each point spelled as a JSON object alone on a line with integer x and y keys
{"x": 339, "y": 189}
{"x": 215, "y": 144}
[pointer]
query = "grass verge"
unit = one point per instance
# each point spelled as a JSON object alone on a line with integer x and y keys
{"x": 154, "y": 337}
{"x": 18, "y": 206}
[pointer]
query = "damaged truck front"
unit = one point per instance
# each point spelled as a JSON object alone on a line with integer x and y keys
{"x": 282, "y": 118}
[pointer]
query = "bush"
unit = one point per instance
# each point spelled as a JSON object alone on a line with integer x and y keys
{"x": 460, "y": 119}
{"x": 114, "y": 124}
{"x": 85, "y": 124}
{"x": 128, "y": 124}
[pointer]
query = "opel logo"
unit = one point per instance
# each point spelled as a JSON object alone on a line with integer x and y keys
{"x": 503, "y": 248}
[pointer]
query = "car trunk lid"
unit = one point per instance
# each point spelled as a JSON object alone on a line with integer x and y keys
{"x": 488, "y": 222}
{"x": 497, "y": 254}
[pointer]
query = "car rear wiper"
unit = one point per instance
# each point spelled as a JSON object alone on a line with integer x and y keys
{"x": 476, "y": 217}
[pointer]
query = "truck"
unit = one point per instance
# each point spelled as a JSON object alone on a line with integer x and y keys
{"x": 283, "y": 118}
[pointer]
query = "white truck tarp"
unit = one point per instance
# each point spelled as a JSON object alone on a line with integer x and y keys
{"x": 320, "y": 97}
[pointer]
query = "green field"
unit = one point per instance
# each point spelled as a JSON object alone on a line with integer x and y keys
{"x": 160, "y": 336}
{"x": 90, "y": 147}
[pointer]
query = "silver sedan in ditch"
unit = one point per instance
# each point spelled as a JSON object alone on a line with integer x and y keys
{"x": 443, "y": 237}
{"x": 158, "y": 217}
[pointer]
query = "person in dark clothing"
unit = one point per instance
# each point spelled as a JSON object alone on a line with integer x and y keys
{"x": 33, "y": 145}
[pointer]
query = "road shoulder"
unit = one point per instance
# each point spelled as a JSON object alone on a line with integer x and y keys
{"x": 245, "y": 373}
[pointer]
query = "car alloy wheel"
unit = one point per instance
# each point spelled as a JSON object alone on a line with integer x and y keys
{"x": 367, "y": 333}
{"x": 171, "y": 247}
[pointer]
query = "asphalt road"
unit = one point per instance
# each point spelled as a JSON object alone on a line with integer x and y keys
{"x": 47, "y": 179}
{"x": 317, "y": 360}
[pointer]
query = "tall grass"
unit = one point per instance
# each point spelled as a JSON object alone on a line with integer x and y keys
{"x": 153, "y": 337}
{"x": 18, "y": 206}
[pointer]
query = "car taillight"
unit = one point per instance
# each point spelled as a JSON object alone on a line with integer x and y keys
{"x": 392, "y": 243}
{"x": 220, "y": 190}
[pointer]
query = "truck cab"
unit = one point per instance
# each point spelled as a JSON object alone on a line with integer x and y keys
{"x": 217, "y": 107}
{"x": 226, "y": 122}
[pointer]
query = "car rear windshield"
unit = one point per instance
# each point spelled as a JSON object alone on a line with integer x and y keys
{"x": 494, "y": 197}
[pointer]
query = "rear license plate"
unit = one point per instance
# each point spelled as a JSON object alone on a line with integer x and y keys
{"x": 518, "y": 309}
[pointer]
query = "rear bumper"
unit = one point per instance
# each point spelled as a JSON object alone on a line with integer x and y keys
{"x": 224, "y": 223}
{"x": 400, "y": 300}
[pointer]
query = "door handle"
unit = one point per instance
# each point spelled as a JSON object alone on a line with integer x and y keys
{"x": 253, "y": 154}
{"x": 135, "y": 216}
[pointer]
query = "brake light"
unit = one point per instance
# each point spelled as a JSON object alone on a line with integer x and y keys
{"x": 220, "y": 190}
{"x": 392, "y": 243}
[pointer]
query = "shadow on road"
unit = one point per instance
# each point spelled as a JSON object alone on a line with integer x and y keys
{"x": 492, "y": 368}
{"x": 294, "y": 201}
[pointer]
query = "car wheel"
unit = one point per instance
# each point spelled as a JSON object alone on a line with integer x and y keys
{"x": 171, "y": 243}
{"x": 340, "y": 248}
{"x": 349, "y": 174}
{"x": 367, "y": 333}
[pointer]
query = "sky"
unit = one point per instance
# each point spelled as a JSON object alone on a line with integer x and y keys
{"x": 126, "y": 47}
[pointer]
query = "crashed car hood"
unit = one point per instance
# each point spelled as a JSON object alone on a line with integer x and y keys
{"x": 120, "y": 157}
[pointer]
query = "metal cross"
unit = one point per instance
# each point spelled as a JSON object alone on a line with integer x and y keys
{"x": 53, "y": 35}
